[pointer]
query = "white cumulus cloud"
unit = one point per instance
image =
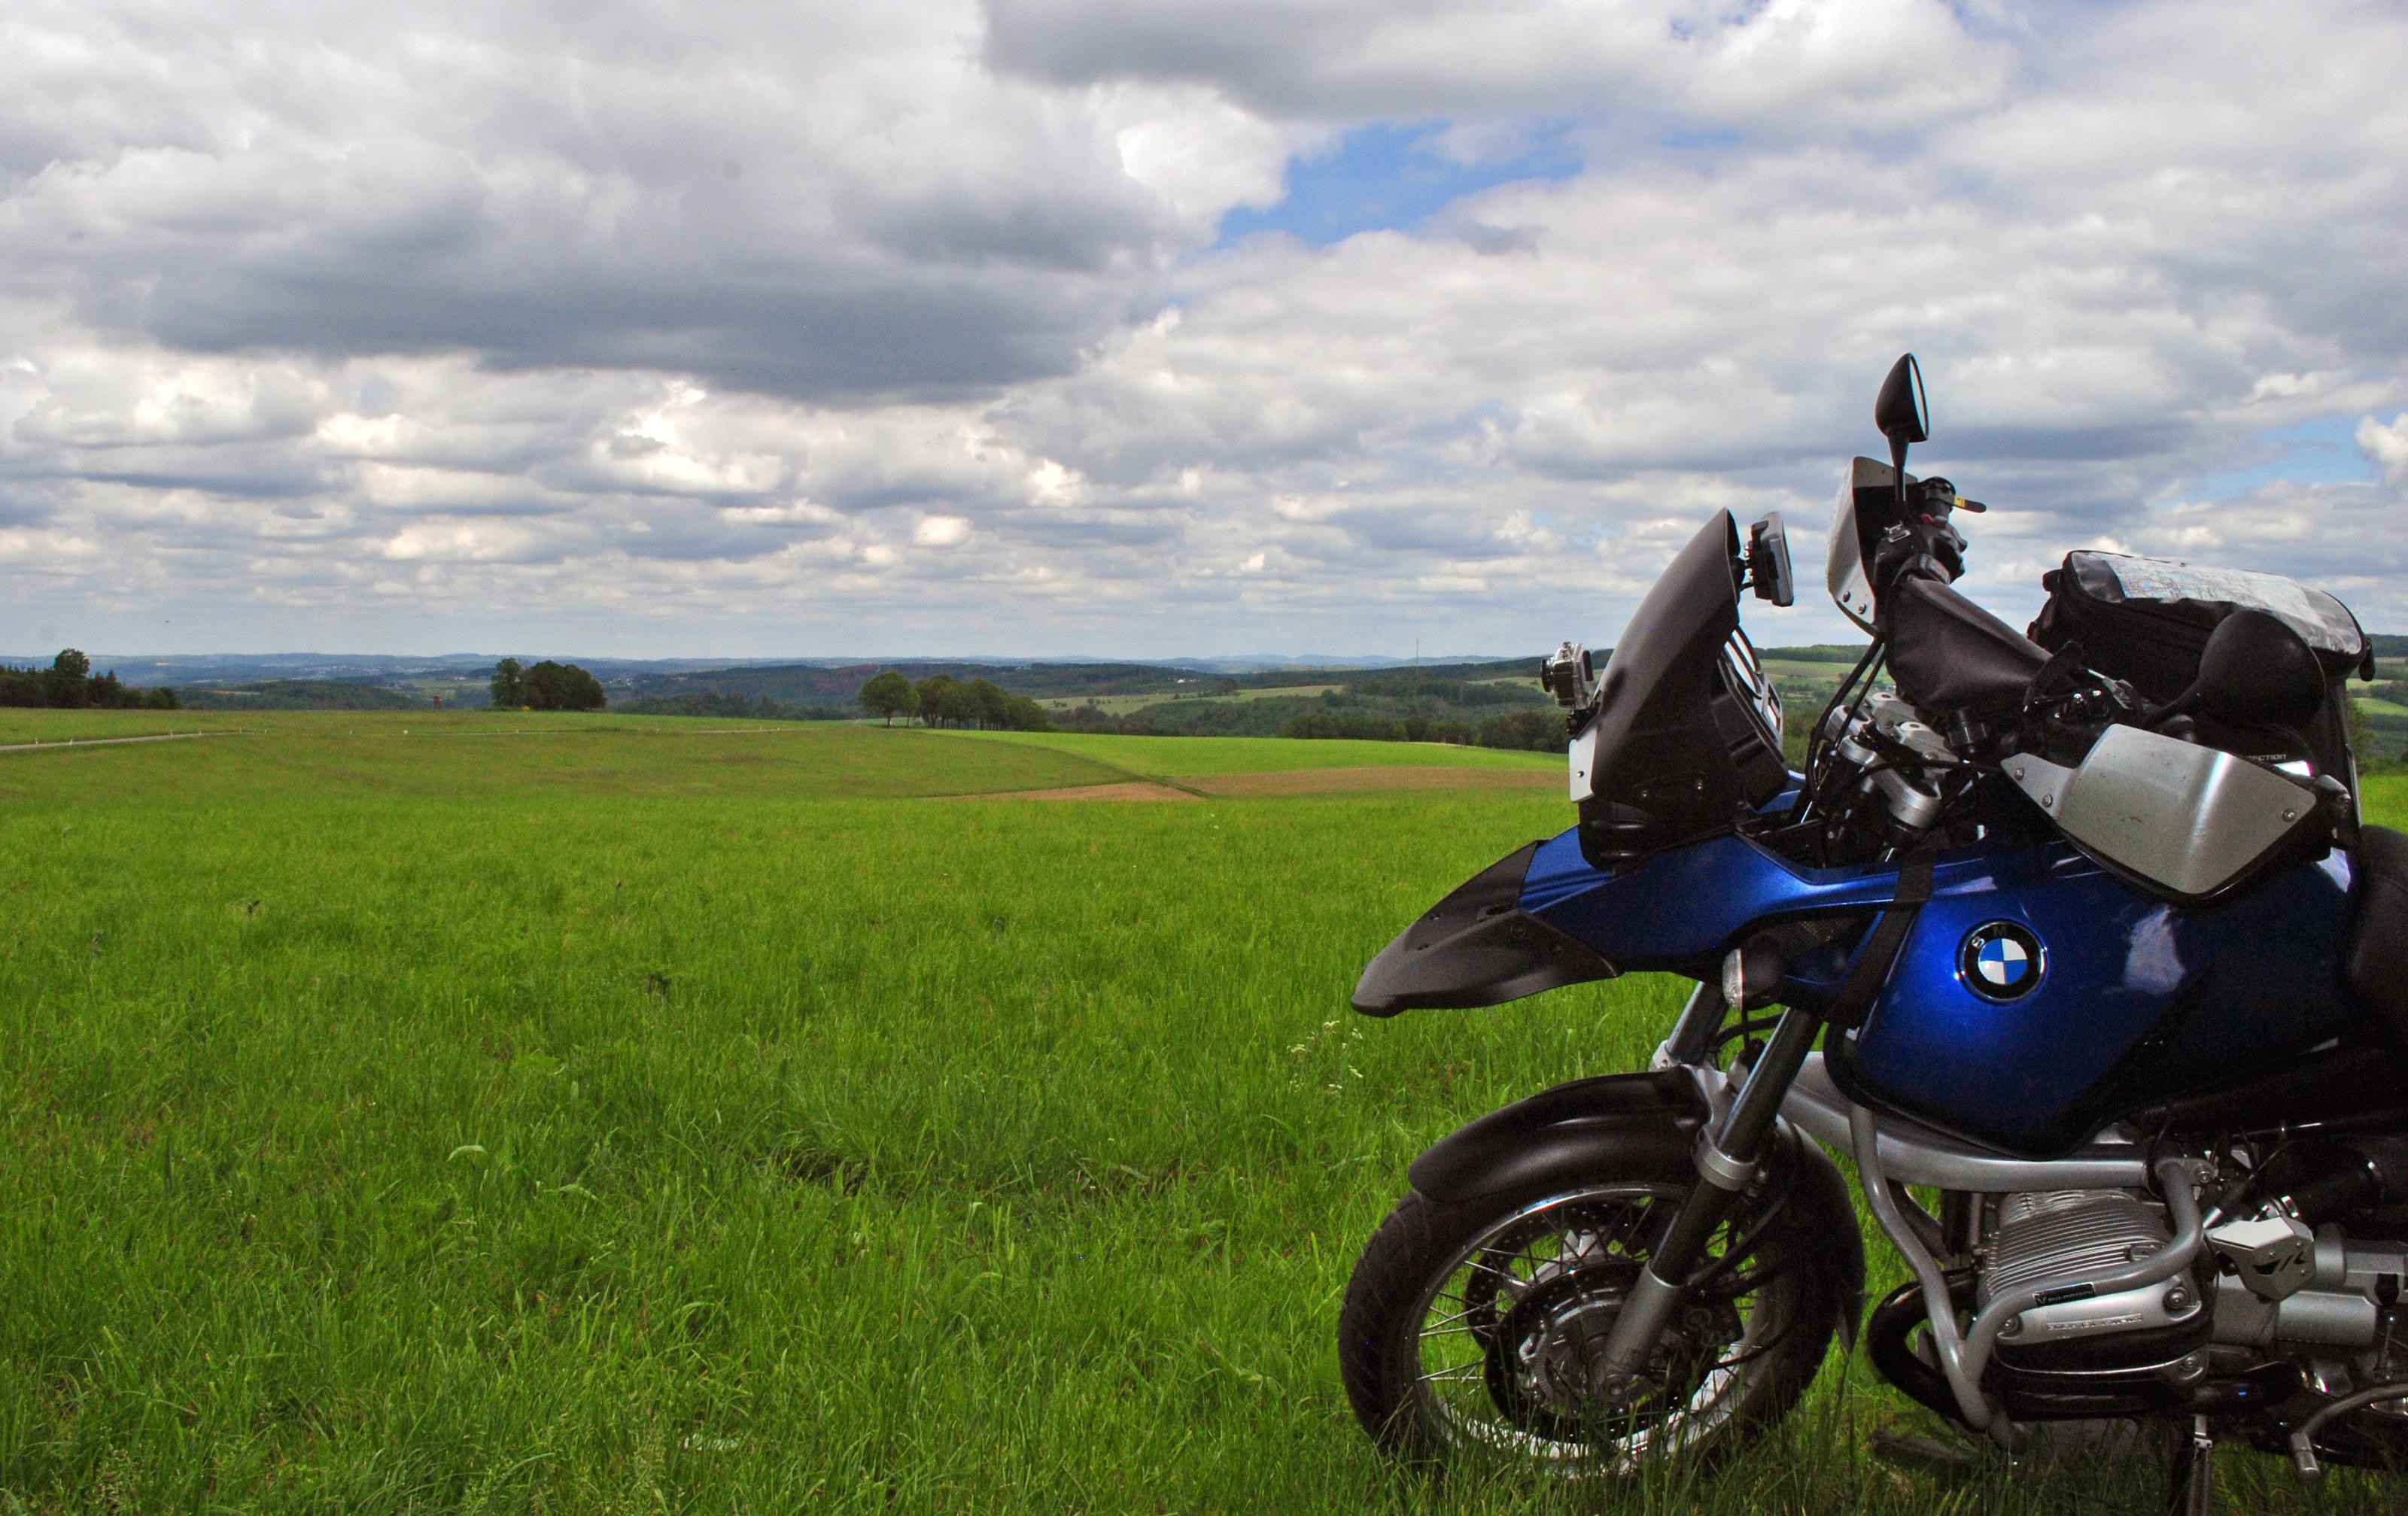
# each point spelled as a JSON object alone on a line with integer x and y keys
{"x": 755, "y": 329}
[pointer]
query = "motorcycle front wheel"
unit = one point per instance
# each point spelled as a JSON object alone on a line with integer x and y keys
{"x": 1475, "y": 1327}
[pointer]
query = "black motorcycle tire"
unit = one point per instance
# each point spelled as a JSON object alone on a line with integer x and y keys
{"x": 1423, "y": 1241}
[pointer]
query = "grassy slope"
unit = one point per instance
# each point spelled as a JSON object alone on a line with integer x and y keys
{"x": 1180, "y": 756}
{"x": 17, "y": 725}
{"x": 606, "y": 1123}
{"x": 1122, "y": 705}
{"x": 483, "y": 757}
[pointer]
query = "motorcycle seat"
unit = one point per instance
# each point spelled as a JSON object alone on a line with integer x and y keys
{"x": 2374, "y": 963}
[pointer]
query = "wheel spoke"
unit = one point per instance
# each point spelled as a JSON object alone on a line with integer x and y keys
{"x": 1506, "y": 1334}
{"x": 1447, "y": 1322}
{"x": 1479, "y": 1267}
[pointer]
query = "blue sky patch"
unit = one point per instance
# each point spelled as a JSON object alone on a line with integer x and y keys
{"x": 1391, "y": 178}
{"x": 2321, "y": 451}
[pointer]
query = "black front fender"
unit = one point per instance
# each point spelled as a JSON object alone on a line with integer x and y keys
{"x": 1619, "y": 1123}
{"x": 1477, "y": 946}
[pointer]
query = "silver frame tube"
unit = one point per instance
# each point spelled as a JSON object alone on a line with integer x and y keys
{"x": 1914, "y": 1154}
{"x": 1963, "y": 1358}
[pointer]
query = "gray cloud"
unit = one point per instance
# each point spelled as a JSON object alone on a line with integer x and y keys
{"x": 751, "y": 330}
{"x": 816, "y": 204}
{"x": 1871, "y": 64}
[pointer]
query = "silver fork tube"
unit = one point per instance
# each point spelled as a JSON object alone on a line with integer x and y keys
{"x": 1693, "y": 1033}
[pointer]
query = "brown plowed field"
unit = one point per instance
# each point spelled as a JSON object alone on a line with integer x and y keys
{"x": 1343, "y": 780}
{"x": 1132, "y": 790}
{"x": 1294, "y": 781}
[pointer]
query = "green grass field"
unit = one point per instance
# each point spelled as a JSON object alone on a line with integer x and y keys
{"x": 1120, "y": 705}
{"x": 607, "y": 1115}
{"x": 20, "y": 726}
{"x": 1181, "y": 757}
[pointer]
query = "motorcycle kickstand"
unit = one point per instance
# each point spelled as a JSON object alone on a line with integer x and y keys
{"x": 2190, "y": 1483}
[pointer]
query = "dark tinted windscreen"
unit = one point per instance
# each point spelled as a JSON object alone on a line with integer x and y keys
{"x": 1657, "y": 748}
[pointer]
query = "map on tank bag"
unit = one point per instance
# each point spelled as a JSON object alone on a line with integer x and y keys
{"x": 2324, "y": 621}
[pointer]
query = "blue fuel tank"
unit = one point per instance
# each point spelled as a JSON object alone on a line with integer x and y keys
{"x": 2038, "y": 997}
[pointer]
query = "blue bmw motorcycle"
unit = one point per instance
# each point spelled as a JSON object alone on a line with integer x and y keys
{"x": 2095, "y": 950}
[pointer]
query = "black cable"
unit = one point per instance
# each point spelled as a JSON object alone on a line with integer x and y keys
{"x": 1745, "y": 1027}
{"x": 1841, "y": 699}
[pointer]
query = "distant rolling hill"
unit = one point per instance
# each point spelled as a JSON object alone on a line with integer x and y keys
{"x": 814, "y": 684}
{"x": 298, "y": 694}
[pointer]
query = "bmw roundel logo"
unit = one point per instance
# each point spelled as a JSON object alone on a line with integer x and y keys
{"x": 2001, "y": 961}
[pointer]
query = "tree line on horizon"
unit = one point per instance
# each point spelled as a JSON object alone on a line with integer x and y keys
{"x": 69, "y": 685}
{"x": 547, "y": 686}
{"x": 726, "y": 706}
{"x": 1523, "y": 731}
{"x": 942, "y": 700}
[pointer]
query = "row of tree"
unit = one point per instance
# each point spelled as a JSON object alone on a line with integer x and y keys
{"x": 70, "y": 683}
{"x": 1405, "y": 684}
{"x": 942, "y": 700}
{"x": 547, "y": 686}
{"x": 727, "y": 707}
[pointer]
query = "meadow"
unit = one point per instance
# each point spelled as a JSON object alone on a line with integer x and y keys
{"x": 1122, "y": 705}
{"x": 602, "y": 1114}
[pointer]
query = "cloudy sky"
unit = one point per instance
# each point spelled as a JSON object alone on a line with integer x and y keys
{"x": 1198, "y": 326}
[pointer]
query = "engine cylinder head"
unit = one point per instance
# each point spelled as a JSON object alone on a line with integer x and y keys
{"x": 2065, "y": 1236}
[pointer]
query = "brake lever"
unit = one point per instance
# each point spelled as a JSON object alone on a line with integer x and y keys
{"x": 2065, "y": 699}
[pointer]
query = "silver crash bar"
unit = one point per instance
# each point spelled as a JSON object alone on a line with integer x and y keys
{"x": 1913, "y": 1153}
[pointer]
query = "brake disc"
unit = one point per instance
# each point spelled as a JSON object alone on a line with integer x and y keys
{"x": 1544, "y": 1354}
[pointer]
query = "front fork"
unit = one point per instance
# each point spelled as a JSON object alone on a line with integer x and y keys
{"x": 1729, "y": 1157}
{"x": 1728, "y": 1160}
{"x": 1692, "y": 1040}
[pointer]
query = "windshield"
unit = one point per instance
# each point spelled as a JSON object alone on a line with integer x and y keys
{"x": 1867, "y": 509}
{"x": 1688, "y": 727}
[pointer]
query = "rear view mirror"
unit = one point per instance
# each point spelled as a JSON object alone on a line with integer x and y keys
{"x": 1901, "y": 413}
{"x": 1899, "y": 410}
{"x": 1767, "y": 562}
{"x": 2256, "y": 671}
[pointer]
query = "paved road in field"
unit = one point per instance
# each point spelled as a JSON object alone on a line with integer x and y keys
{"x": 111, "y": 741}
